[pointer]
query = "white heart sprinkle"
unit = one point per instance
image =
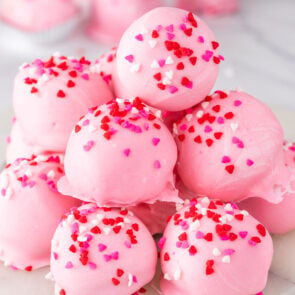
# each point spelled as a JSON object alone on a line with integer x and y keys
{"x": 177, "y": 274}
{"x": 169, "y": 60}
{"x": 200, "y": 114}
{"x": 155, "y": 65}
{"x": 135, "y": 68}
{"x": 216, "y": 252}
{"x": 167, "y": 277}
{"x": 205, "y": 104}
{"x": 234, "y": 126}
{"x": 226, "y": 259}
{"x": 153, "y": 43}
{"x": 166, "y": 81}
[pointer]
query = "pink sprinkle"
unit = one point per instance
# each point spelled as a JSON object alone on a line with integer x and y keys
{"x": 146, "y": 126}
{"x": 220, "y": 120}
{"x": 173, "y": 89}
{"x": 178, "y": 244}
{"x": 156, "y": 140}
{"x": 55, "y": 255}
{"x": 182, "y": 27}
{"x": 250, "y": 162}
{"x": 260, "y": 293}
{"x": 159, "y": 28}
{"x": 207, "y": 55}
{"x": 235, "y": 140}
{"x": 161, "y": 62}
{"x": 170, "y": 28}
{"x": 69, "y": 265}
{"x": 126, "y": 152}
{"x": 199, "y": 235}
{"x": 127, "y": 244}
{"x": 3, "y": 192}
{"x": 13, "y": 267}
{"x": 201, "y": 39}
{"x": 243, "y": 234}
{"x": 207, "y": 129}
{"x": 184, "y": 225}
{"x": 183, "y": 127}
{"x": 86, "y": 122}
{"x": 85, "y": 76}
{"x": 252, "y": 243}
{"x": 8, "y": 139}
{"x": 224, "y": 238}
{"x": 107, "y": 258}
{"x": 225, "y": 159}
{"x": 88, "y": 146}
{"x": 130, "y": 58}
{"x": 115, "y": 255}
{"x": 170, "y": 36}
{"x": 185, "y": 245}
{"x": 162, "y": 242}
{"x": 221, "y": 57}
{"x": 157, "y": 164}
{"x": 228, "y": 252}
{"x": 237, "y": 103}
{"x": 135, "y": 279}
{"x": 101, "y": 247}
{"x": 92, "y": 265}
{"x": 139, "y": 37}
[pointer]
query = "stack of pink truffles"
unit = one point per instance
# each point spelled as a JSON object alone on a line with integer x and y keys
{"x": 105, "y": 154}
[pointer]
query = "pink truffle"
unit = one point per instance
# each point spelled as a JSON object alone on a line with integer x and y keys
{"x": 169, "y": 58}
{"x": 110, "y": 18}
{"x": 214, "y": 248}
{"x": 17, "y": 147}
{"x": 210, "y": 7}
{"x": 30, "y": 210}
{"x": 230, "y": 148}
{"x": 37, "y": 15}
{"x": 120, "y": 154}
{"x": 278, "y": 218}
{"x": 50, "y": 96}
{"x": 99, "y": 250}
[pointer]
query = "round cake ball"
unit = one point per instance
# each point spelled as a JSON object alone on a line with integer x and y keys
{"x": 278, "y": 218}
{"x": 214, "y": 248}
{"x": 50, "y": 96}
{"x": 110, "y": 18}
{"x": 30, "y": 210}
{"x": 169, "y": 58}
{"x": 102, "y": 251}
{"x": 37, "y": 15}
{"x": 120, "y": 154}
{"x": 17, "y": 148}
{"x": 105, "y": 66}
{"x": 230, "y": 148}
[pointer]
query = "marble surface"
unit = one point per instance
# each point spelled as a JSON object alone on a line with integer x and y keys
{"x": 259, "y": 47}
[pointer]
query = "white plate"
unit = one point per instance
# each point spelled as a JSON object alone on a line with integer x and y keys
{"x": 22, "y": 283}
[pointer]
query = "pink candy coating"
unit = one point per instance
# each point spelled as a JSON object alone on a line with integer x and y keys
{"x": 97, "y": 250}
{"x": 170, "y": 69}
{"x": 18, "y": 148}
{"x": 277, "y": 218}
{"x": 110, "y": 18}
{"x": 37, "y": 15}
{"x": 241, "y": 157}
{"x": 122, "y": 166}
{"x": 30, "y": 210}
{"x": 50, "y": 96}
{"x": 213, "y": 248}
